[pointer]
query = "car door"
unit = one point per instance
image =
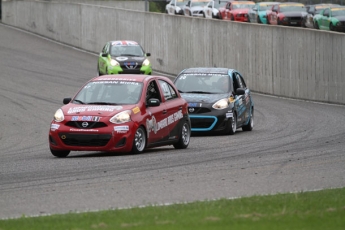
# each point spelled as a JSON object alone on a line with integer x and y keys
{"x": 156, "y": 125}
{"x": 325, "y": 20}
{"x": 174, "y": 108}
{"x": 208, "y": 9}
{"x": 103, "y": 58}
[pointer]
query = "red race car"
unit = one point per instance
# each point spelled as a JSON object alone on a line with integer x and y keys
{"x": 121, "y": 113}
{"x": 288, "y": 14}
{"x": 236, "y": 11}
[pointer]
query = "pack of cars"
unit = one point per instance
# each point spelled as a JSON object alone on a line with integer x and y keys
{"x": 312, "y": 10}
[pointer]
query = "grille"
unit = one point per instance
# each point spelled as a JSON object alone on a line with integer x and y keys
{"x": 199, "y": 110}
{"x": 202, "y": 122}
{"x": 295, "y": 19}
{"x": 91, "y": 124}
{"x": 85, "y": 139}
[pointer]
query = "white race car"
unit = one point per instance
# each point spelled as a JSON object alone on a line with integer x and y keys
{"x": 175, "y": 7}
{"x": 211, "y": 10}
{"x": 195, "y": 8}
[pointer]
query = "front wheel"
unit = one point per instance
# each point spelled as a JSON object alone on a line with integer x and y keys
{"x": 233, "y": 125}
{"x": 139, "y": 142}
{"x": 250, "y": 125}
{"x": 184, "y": 138}
{"x": 331, "y": 27}
{"x": 60, "y": 153}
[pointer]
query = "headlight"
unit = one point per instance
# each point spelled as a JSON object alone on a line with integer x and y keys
{"x": 146, "y": 62}
{"x": 113, "y": 62}
{"x": 221, "y": 104}
{"x": 58, "y": 116}
{"x": 122, "y": 117}
{"x": 285, "y": 19}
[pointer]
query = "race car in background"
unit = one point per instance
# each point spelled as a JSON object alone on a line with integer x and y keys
{"x": 123, "y": 57}
{"x": 195, "y": 8}
{"x": 121, "y": 113}
{"x": 236, "y": 11}
{"x": 219, "y": 100}
{"x": 331, "y": 18}
{"x": 258, "y": 14}
{"x": 312, "y": 10}
{"x": 287, "y": 14}
{"x": 175, "y": 7}
{"x": 211, "y": 10}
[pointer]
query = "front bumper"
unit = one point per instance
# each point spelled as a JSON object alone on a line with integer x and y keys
{"x": 217, "y": 121}
{"x": 108, "y": 139}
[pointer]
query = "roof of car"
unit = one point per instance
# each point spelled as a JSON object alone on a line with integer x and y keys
{"x": 207, "y": 70}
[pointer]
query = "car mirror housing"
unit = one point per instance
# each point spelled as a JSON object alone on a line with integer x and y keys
{"x": 104, "y": 55}
{"x": 66, "y": 100}
{"x": 152, "y": 102}
{"x": 240, "y": 91}
{"x": 148, "y": 54}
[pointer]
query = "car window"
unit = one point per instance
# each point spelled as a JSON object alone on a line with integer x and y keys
{"x": 168, "y": 91}
{"x": 153, "y": 91}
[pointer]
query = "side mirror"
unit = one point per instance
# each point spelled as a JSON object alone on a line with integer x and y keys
{"x": 104, "y": 55}
{"x": 66, "y": 100}
{"x": 148, "y": 54}
{"x": 240, "y": 91}
{"x": 152, "y": 102}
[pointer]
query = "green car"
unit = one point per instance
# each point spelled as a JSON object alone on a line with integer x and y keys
{"x": 123, "y": 57}
{"x": 332, "y": 18}
{"x": 258, "y": 14}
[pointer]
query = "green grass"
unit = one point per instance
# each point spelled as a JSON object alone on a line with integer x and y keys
{"x": 304, "y": 210}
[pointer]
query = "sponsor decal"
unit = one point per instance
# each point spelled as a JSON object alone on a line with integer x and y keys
{"x": 153, "y": 125}
{"x": 114, "y": 79}
{"x": 121, "y": 58}
{"x": 192, "y": 104}
{"x": 93, "y": 108}
{"x": 136, "y": 110}
{"x": 54, "y": 127}
{"x": 121, "y": 128}
{"x": 227, "y": 115}
{"x": 83, "y": 130}
{"x": 85, "y": 118}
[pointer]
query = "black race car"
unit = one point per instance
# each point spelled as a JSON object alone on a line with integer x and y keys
{"x": 218, "y": 99}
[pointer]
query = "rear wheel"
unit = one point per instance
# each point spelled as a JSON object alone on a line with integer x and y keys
{"x": 250, "y": 125}
{"x": 184, "y": 138}
{"x": 60, "y": 153}
{"x": 139, "y": 142}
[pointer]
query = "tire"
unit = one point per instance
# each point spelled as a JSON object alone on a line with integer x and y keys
{"x": 331, "y": 27}
{"x": 139, "y": 142}
{"x": 99, "y": 72}
{"x": 203, "y": 15}
{"x": 250, "y": 125}
{"x": 59, "y": 153}
{"x": 184, "y": 139}
{"x": 231, "y": 130}
{"x": 232, "y": 18}
{"x": 220, "y": 16}
{"x": 316, "y": 25}
{"x": 258, "y": 20}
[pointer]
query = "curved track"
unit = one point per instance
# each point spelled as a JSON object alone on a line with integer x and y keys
{"x": 295, "y": 145}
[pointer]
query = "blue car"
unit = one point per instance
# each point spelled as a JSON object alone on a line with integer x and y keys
{"x": 218, "y": 100}
{"x": 258, "y": 14}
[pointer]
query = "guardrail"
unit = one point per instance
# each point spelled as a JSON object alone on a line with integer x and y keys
{"x": 291, "y": 62}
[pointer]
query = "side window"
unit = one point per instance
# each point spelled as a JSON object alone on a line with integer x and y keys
{"x": 326, "y": 12}
{"x": 153, "y": 91}
{"x": 240, "y": 81}
{"x": 105, "y": 48}
{"x": 168, "y": 90}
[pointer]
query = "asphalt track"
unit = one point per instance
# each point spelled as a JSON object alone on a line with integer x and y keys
{"x": 295, "y": 145}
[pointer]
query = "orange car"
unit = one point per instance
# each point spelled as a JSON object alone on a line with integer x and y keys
{"x": 236, "y": 11}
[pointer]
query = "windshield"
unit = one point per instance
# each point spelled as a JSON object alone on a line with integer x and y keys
{"x": 198, "y": 4}
{"x": 109, "y": 93}
{"x": 265, "y": 7}
{"x": 296, "y": 8}
{"x": 338, "y": 12}
{"x": 243, "y": 6}
{"x": 202, "y": 83}
{"x": 127, "y": 50}
{"x": 219, "y": 4}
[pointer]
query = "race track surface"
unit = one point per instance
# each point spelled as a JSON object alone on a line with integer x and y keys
{"x": 295, "y": 145}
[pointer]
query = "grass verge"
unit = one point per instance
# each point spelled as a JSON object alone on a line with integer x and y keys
{"x": 323, "y": 209}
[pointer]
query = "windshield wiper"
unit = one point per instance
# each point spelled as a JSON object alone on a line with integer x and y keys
{"x": 79, "y": 101}
{"x": 201, "y": 92}
{"x": 132, "y": 55}
{"x": 101, "y": 103}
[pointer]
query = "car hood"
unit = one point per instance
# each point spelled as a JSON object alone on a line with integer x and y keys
{"x": 94, "y": 110}
{"x": 294, "y": 14}
{"x": 123, "y": 59}
{"x": 203, "y": 98}
{"x": 240, "y": 11}
{"x": 340, "y": 18}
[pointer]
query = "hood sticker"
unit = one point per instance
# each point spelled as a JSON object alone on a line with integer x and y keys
{"x": 93, "y": 108}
